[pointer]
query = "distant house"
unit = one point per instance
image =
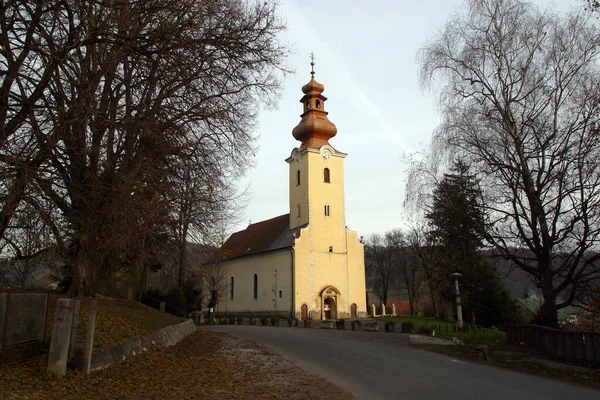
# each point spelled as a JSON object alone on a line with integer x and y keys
{"x": 529, "y": 309}
{"x": 402, "y": 308}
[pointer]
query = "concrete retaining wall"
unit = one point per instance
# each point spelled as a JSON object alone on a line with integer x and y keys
{"x": 164, "y": 337}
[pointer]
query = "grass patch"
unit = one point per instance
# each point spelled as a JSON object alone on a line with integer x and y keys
{"x": 493, "y": 337}
{"x": 584, "y": 376}
{"x": 525, "y": 362}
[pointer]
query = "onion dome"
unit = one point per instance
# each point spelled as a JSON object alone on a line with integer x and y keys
{"x": 314, "y": 130}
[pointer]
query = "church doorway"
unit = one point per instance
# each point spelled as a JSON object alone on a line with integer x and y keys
{"x": 329, "y": 308}
{"x": 304, "y": 312}
{"x": 353, "y": 313}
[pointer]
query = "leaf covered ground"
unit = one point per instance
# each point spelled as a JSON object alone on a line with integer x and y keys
{"x": 206, "y": 365}
{"x": 117, "y": 321}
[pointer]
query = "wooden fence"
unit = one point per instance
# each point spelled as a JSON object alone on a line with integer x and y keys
{"x": 582, "y": 347}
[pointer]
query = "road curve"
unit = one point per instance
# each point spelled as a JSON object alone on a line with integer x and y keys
{"x": 377, "y": 365}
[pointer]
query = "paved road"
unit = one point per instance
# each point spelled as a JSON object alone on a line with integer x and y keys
{"x": 384, "y": 366}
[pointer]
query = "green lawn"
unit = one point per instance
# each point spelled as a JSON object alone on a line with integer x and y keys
{"x": 445, "y": 330}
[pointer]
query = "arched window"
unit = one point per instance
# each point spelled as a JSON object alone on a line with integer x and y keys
{"x": 326, "y": 177}
{"x": 307, "y": 104}
{"x": 318, "y": 103}
{"x": 231, "y": 288}
{"x": 255, "y": 287}
{"x": 297, "y": 177}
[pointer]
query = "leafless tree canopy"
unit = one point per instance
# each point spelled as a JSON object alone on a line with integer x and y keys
{"x": 131, "y": 118}
{"x": 519, "y": 94}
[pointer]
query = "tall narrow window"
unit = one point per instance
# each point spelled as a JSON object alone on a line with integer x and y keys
{"x": 327, "y": 210}
{"x": 326, "y": 177}
{"x": 297, "y": 177}
{"x": 231, "y": 288}
{"x": 318, "y": 104}
{"x": 298, "y": 211}
{"x": 255, "y": 287}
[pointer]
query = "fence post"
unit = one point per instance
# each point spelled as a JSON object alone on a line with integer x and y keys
{"x": 89, "y": 337}
{"x": 383, "y": 309}
{"x": 3, "y": 300}
{"x": 74, "y": 326}
{"x": 61, "y": 336}
{"x": 162, "y": 306}
{"x": 394, "y": 309}
{"x": 373, "y": 309}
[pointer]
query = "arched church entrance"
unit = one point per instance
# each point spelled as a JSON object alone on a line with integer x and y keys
{"x": 304, "y": 312}
{"x": 353, "y": 313}
{"x": 329, "y": 308}
{"x": 329, "y": 298}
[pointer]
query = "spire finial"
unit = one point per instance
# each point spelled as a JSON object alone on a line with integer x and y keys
{"x": 312, "y": 64}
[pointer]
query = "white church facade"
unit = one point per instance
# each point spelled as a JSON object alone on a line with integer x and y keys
{"x": 307, "y": 263}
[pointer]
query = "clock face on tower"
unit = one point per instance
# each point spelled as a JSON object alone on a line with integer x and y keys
{"x": 326, "y": 154}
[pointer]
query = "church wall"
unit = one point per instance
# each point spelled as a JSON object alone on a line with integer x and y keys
{"x": 298, "y": 193}
{"x": 274, "y": 274}
{"x": 356, "y": 272}
{"x": 328, "y": 230}
{"x": 302, "y": 272}
{"x": 318, "y": 270}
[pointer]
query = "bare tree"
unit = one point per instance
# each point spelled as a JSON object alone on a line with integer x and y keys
{"x": 410, "y": 266}
{"x": 105, "y": 102}
{"x": 28, "y": 246}
{"x": 519, "y": 98}
{"x": 382, "y": 265}
{"x": 427, "y": 254}
{"x": 215, "y": 281}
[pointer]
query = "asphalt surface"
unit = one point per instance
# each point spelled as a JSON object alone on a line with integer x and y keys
{"x": 378, "y": 365}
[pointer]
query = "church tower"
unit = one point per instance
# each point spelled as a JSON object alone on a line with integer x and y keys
{"x": 329, "y": 267}
{"x": 317, "y": 173}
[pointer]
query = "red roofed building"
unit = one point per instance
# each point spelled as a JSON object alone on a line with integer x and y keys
{"x": 402, "y": 308}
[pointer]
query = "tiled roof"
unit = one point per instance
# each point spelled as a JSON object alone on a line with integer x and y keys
{"x": 272, "y": 234}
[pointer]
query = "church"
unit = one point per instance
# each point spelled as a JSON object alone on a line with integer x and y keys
{"x": 305, "y": 264}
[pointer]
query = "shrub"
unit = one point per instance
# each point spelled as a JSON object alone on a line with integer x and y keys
{"x": 407, "y": 327}
{"x": 252, "y": 321}
{"x": 355, "y": 325}
{"x": 425, "y": 330}
{"x": 240, "y": 320}
{"x": 274, "y": 321}
{"x": 389, "y": 326}
{"x": 290, "y": 321}
{"x": 231, "y": 320}
{"x": 175, "y": 297}
{"x": 264, "y": 321}
{"x": 340, "y": 324}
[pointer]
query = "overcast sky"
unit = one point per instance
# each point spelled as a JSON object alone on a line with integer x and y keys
{"x": 365, "y": 57}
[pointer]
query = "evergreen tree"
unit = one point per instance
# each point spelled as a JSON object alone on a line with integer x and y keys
{"x": 456, "y": 219}
{"x": 457, "y": 224}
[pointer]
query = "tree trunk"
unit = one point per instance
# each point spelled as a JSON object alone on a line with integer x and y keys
{"x": 549, "y": 311}
{"x": 432, "y": 295}
{"x": 182, "y": 258}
